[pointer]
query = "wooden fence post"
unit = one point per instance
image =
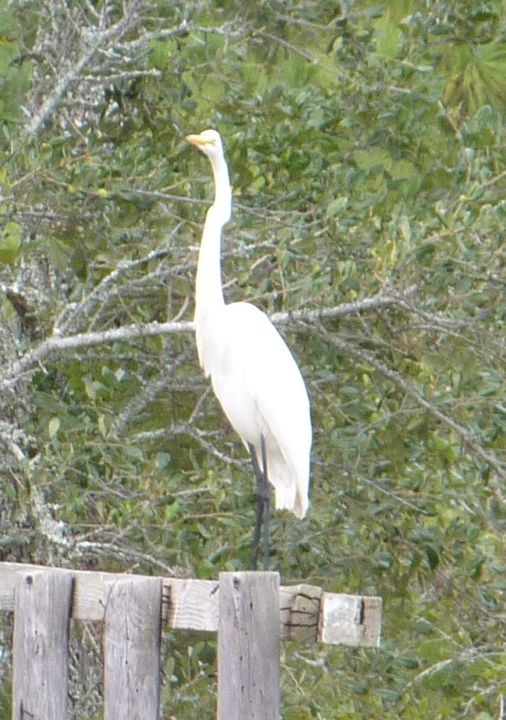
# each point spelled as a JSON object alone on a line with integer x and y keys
{"x": 248, "y": 646}
{"x": 41, "y": 632}
{"x": 132, "y": 648}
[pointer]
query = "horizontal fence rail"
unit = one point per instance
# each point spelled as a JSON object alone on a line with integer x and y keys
{"x": 307, "y": 613}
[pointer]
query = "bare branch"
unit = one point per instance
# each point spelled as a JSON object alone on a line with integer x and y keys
{"x": 92, "y": 40}
{"x": 56, "y": 344}
{"x": 130, "y": 333}
{"x": 306, "y": 54}
{"x": 113, "y": 549}
{"x": 69, "y": 322}
{"x": 149, "y": 393}
{"x": 378, "y": 302}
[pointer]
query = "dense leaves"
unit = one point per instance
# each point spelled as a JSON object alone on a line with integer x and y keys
{"x": 366, "y": 145}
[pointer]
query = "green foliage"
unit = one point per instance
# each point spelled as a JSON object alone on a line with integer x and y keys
{"x": 10, "y": 243}
{"x": 366, "y": 145}
{"x": 477, "y": 76}
{"x": 14, "y": 69}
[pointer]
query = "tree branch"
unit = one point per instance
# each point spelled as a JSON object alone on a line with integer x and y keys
{"x": 129, "y": 333}
{"x": 377, "y": 302}
{"x": 149, "y": 393}
{"x": 56, "y": 344}
{"x": 68, "y": 321}
{"x": 93, "y": 39}
{"x": 369, "y": 359}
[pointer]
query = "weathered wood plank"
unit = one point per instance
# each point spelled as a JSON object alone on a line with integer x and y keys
{"x": 249, "y": 646}
{"x": 41, "y": 633}
{"x": 192, "y": 604}
{"x": 88, "y": 599}
{"x": 307, "y": 614}
{"x": 132, "y": 631}
{"x": 350, "y": 620}
{"x": 300, "y": 607}
{"x": 371, "y": 620}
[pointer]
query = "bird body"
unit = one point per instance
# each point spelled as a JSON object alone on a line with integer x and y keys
{"x": 252, "y": 371}
{"x": 261, "y": 391}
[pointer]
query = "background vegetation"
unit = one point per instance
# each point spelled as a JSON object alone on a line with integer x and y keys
{"x": 367, "y": 147}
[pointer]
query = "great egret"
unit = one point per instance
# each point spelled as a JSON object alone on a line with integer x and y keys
{"x": 252, "y": 371}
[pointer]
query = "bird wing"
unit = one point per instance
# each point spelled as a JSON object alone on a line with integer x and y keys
{"x": 261, "y": 390}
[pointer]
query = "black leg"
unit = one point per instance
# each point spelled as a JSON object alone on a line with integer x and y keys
{"x": 266, "y": 505}
{"x": 263, "y": 507}
{"x": 259, "y": 510}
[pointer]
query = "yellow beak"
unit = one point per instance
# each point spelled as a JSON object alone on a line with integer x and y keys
{"x": 197, "y": 140}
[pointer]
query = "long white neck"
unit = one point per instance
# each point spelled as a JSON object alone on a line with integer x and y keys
{"x": 209, "y": 290}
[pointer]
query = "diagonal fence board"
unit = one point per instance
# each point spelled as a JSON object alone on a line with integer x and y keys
{"x": 307, "y": 613}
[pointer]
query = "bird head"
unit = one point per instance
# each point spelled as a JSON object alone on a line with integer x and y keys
{"x": 209, "y": 142}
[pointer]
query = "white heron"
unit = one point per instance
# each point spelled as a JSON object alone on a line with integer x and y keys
{"x": 252, "y": 371}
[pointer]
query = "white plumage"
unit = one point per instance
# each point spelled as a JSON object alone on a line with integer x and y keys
{"x": 252, "y": 371}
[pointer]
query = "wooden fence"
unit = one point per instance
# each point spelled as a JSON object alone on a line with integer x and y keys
{"x": 249, "y": 610}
